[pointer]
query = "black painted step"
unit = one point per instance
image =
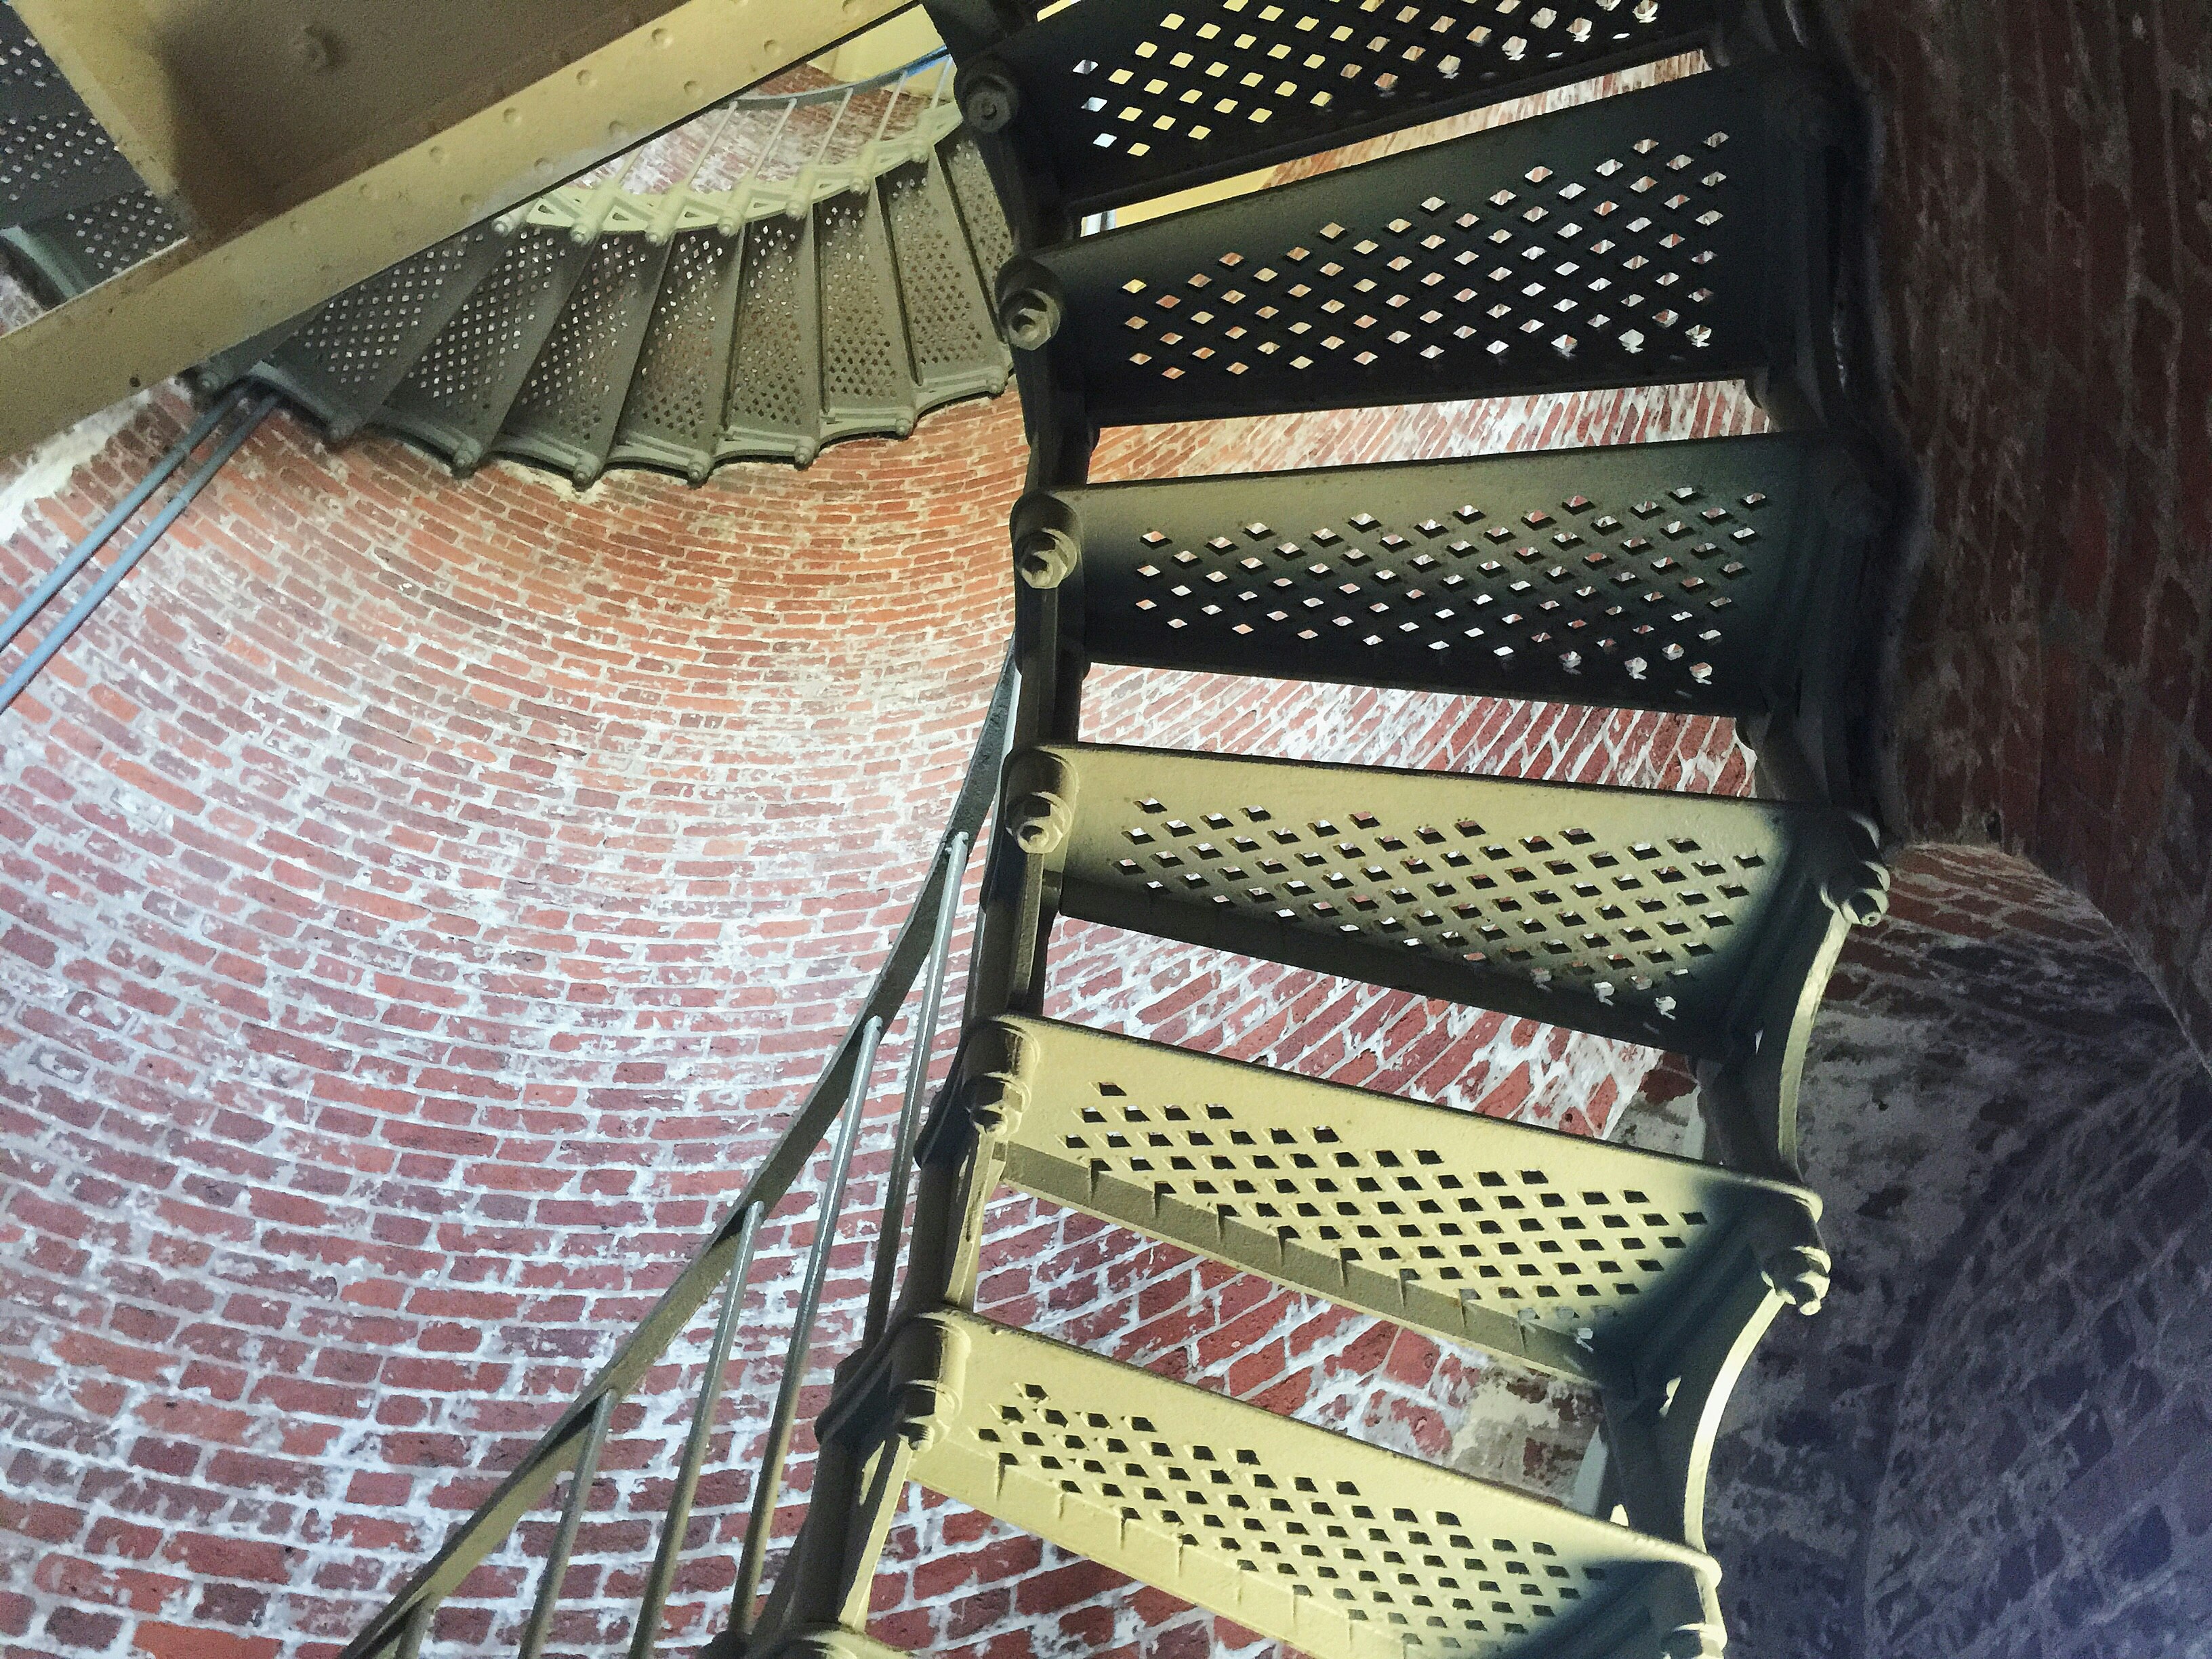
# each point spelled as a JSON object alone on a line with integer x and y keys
{"x": 1117, "y": 102}
{"x": 1676, "y": 234}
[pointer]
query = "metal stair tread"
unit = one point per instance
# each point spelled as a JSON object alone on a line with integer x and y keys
{"x": 1554, "y": 1249}
{"x": 677, "y": 394}
{"x": 1120, "y": 102}
{"x": 55, "y": 157}
{"x": 1342, "y": 1549}
{"x": 1664, "y": 234}
{"x": 867, "y": 375}
{"x": 457, "y": 395}
{"x": 1649, "y": 915}
{"x": 565, "y": 412}
{"x": 349, "y": 353}
{"x": 1703, "y": 576}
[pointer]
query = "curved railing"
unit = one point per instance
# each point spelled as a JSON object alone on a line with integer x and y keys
{"x": 758, "y": 154}
{"x": 834, "y": 1105}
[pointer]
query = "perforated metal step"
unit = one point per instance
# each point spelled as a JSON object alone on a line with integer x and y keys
{"x": 1112, "y": 103}
{"x": 1644, "y": 914}
{"x": 1704, "y": 924}
{"x": 989, "y": 238}
{"x": 54, "y": 156}
{"x": 566, "y": 412}
{"x": 867, "y": 378}
{"x": 1554, "y": 1249}
{"x": 457, "y": 396}
{"x": 1675, "y": 234}
{"x": 675, "y": 399}
{"x": 1342, "y": 1549}
{"x": 954, "y": 344}
{"x": 82, "y": 246}
{"x": 774, "y": 408}
{"x": 346, "y": 359}
{"x": 1711, "y": 577}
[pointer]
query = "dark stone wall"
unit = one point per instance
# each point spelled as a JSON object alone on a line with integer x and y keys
{"x": 2000, "y": 1418}
{"x": 2044, "y": 211}
{"x": 2049, "y": 1487}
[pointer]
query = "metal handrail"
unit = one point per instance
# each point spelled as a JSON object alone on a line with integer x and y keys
{"x": 839, "y": 1096}
{"x": 597, "y": 202}
{"x": 112, "y": 577}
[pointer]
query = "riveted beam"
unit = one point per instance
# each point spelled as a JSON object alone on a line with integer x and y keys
{"x": 381, "y": 202}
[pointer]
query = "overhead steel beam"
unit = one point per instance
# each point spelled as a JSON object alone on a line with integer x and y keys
{"x": 431, "y": 176}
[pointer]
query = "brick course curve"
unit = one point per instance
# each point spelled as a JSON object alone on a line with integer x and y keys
{"x": 424, "y": 901}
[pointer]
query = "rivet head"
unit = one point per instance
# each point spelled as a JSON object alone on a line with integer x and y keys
{"x": 316, "y": 50}
{"x": 989, "y": 100}
{"x": 1040, "y": 821}
{"x": 1043, "y": 558}
{"x": 1030, "y": 317}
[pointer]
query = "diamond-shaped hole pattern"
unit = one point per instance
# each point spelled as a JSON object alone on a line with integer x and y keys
{"x": 1244, "y": 75}
{"x": 678, "y": 390}
{"x": 462, "y": 376}
{"x": 1617, "y": 262}
{"x": 863, "y": 358}
{"x": 768, "y": 385}
{"x": 1632, "y": 921}
{"x": 986, "y": 220}
{"x": 1509, "y": 1237}
{"x": 25, "y": 68}
{"x": 1638, "y": 594}
{"x": 355, "y": 340}
{"x": 947, "y": 323}
{"x": 578, "y": 383}
{"x": 41, "y": 153}
{"x": 112, "y": 236}
{"x": 1441, "y": 1578}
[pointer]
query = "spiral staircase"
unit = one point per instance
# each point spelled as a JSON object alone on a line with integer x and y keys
{"x": 1695, "y": 230}
{"x": 817, "y": 271}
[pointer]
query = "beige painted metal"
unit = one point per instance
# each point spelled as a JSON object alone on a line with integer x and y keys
{"x": 904, "y": 39}
{"x": 1554, "y": 1249}
{"x": 830, "y": 1642}
{"x": 1342, "y": 1549}
{"x": 206, "y": 297}
{"x": 236, "y": 109}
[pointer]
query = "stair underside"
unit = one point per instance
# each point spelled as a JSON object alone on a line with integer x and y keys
{"x": 1699, "y": 577}
{"x": 759, "y": 341}
{"x": 1673, "y": 234}
{"x": 1120, "y": 102}
{"x": 1655, "y": 917}
{"x": 1553, "y": 1249}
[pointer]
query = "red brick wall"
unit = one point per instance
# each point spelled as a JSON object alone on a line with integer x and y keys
{"x": 2046, "y": 199}
{"x": 423, "y": 901}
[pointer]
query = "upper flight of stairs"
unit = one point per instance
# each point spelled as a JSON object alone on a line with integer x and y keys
{"x": 678, "y": 330}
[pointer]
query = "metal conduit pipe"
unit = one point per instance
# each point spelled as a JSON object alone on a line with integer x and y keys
{"x": 98, "y": 536}
{"x": 112, "y": 577}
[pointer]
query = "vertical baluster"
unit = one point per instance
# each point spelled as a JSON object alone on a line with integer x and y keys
{"x": 417, "y": 1629}
{"x": 770, "y": 1485}
{"x": 917, "y": 1084}
{"x": 671, "y": 1551}
{"x": 572, "y": 1517}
